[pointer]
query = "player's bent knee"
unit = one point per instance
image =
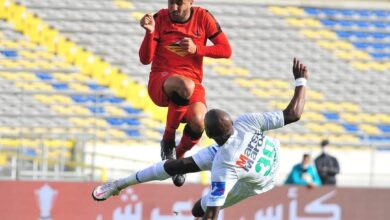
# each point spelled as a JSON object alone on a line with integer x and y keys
{"x": 194, "y": 134}
{"x": 197, "y": 210}
{"x": 197, "y": 123}
{"x": 179, "y": 100}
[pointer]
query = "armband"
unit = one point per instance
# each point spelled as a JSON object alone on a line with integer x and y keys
{"x": 300, "y": 82}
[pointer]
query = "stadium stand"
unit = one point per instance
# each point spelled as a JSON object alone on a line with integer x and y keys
{"x": 89, "y": 81}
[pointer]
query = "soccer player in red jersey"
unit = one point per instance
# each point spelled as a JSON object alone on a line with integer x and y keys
{"x": 175, "y": 44}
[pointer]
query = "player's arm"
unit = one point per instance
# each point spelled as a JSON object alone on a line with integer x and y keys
{"x": 220, "y": 48}
{"x": 294, "y": 110}
{"x": 149, "y": 43}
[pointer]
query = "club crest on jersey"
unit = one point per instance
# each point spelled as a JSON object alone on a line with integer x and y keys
{"x": 250, "y": 153}
{"x": 175, "y": 48}
{"x": 217, "y": 188}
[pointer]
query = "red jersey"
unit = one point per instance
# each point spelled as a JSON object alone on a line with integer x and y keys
{"x": 168, "y": 55}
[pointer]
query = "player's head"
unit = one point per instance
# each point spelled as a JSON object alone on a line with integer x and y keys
{"x": 218, "y": 125}
{"x": 306, "y": 161}
{"x": 324, "y": 145}
{"x": 179, "y": 10}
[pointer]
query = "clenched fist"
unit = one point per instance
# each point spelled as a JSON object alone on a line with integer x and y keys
{"x": 147, "y": 22}
{"x": 188, "y": 45}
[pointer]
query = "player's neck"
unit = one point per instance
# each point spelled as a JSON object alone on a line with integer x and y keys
{"x": 185, "y": 19}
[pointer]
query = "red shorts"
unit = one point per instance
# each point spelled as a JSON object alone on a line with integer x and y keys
{"x": 158, "y": 96}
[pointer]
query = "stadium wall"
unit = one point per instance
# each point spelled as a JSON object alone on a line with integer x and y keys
{"x": 62, "y": 200}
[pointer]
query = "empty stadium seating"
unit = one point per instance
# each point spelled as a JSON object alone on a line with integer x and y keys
{"x": 73, "y": 69}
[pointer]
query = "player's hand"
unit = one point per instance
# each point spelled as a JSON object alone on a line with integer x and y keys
{"x": 188, "y": 45}
{"x": 310, "y": 185}
{"x": 147, "y": 22}
{"x": 299, "y": 70}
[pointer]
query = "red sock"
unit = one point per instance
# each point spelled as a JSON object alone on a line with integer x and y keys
{"x": 175, "y": 115}
{"x": 188, "y": 140}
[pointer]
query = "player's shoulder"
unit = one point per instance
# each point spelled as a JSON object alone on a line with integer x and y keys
{"x": 200, "y": 11}
{"x": 161, "y": 13}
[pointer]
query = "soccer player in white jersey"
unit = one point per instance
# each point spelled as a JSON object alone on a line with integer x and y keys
{"x": 243, "y": 162}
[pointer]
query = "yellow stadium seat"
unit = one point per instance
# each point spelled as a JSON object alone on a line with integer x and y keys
{"x": 137, "y": 15}
{"x": 45, "y": 99}
{"x": 279, "y": 104}
{"x": 333, "y": 127}
{"x": 327, "y": 34}
{"x": 42, "y": 86}
{"x": 124, "y": 4}
{"x": 77, "y": 131}
{"x": 296, "y": 22}
{"x": 309, "y": 137}
{"x": 277, "y": 10}
{"x": 114, "y": 110}
{"x": 117, "y": 133}
{"x": 313, "y": 116}
{"x": 325, "y": 44}
{"x": 3, "y": 159}
{"x": 63, "y": 110}
{"x": 383, "y": 118}
{"x": 76, "y": 109}
{"x": 79, "y": 87}
{"x": 350, "y": 107}
{"x": 295, "y": 11}
{"x": 98, "y": 122}
{"x": 343, "y": 45}
{"x": 27, "y": 76}
{"x": 362, "y": 55}
{"x": 32, "y": 143}
{"x": 331, "y": 106}
{"x": 261, "y": 83}
{"x": 150, "y": 134}
{"x": 243, "y": 82}
{"x": 315, "y": 127}
{"x": 80, "y": 122}
{"x": 369, "y": 129}
{"x": 9, "y": 142}
{"x": 360, "y": 66}
{"x": 346, "y": 138}
{"x": 62, "y": 99}
{"x": 151, "y": 123}
{"x": 368, "y": 118}
{"x": 350, "y": 117}
{"x": 346, "y": 55}
{"x": 40, "y": 130}
{"x": 224, "y": 62}
{"x": 311, "y": 34}
{"x": 378, "y": 66}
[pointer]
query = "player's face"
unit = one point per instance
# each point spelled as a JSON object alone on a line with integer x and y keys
{"x": 179, "y": 10}
{"x": 220, "y": 136}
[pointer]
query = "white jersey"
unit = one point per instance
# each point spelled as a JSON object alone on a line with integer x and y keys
{"x": 246, "y": 164}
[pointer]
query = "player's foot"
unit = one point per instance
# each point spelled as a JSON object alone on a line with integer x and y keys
{"x": 167, "y": 150}
{"x": 104, "y": 191}
{"x": 179, "y": 179}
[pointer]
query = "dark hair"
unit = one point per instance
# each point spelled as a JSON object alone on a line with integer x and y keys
{"x": 324, "y": 143}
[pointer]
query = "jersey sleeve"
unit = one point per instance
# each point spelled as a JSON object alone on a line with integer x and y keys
{"x": 260, "y": 121}
{"x": 205, "y": 157}
{"x": 212, "y": 26}
{"x": 223, "y": 179}
{"x": 157, "y": 25}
